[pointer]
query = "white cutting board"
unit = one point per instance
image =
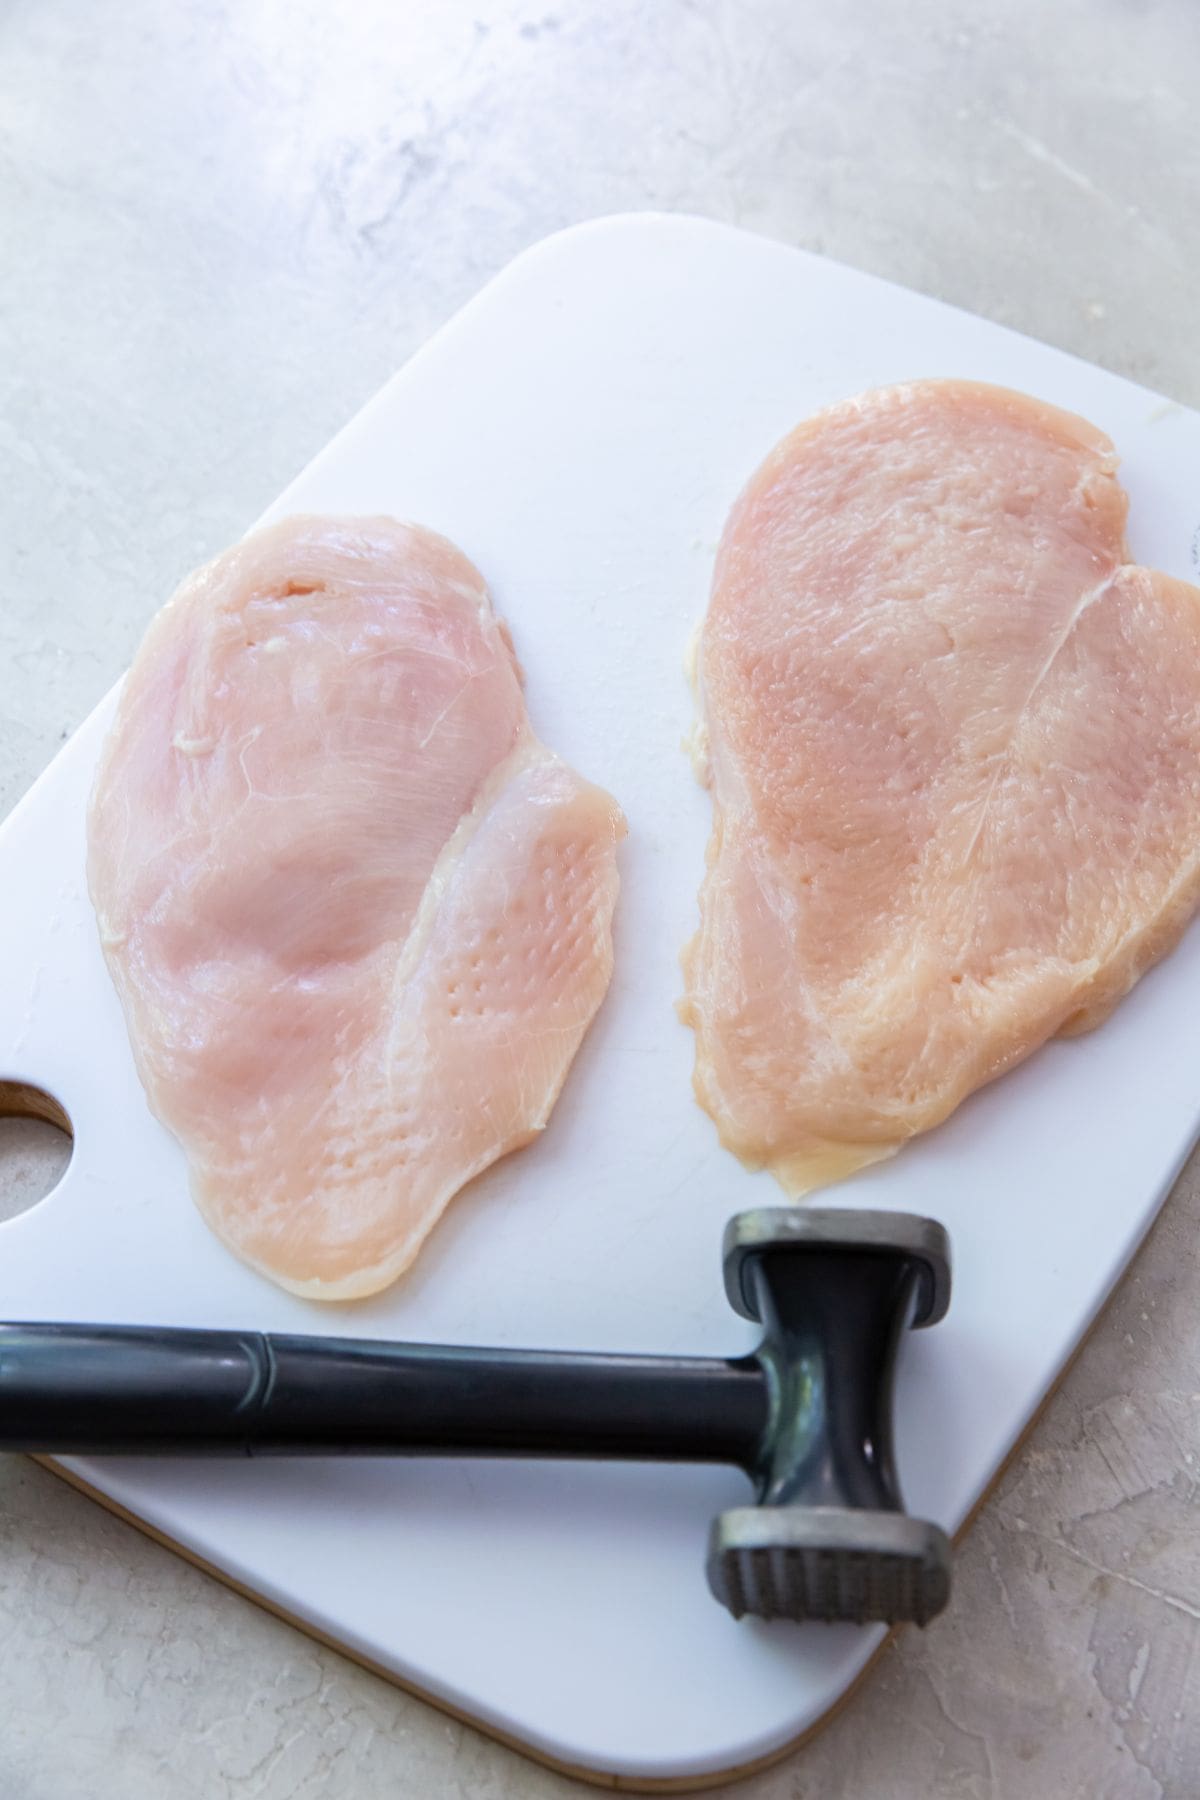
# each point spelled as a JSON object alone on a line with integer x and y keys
{"x": 580, "y": 430}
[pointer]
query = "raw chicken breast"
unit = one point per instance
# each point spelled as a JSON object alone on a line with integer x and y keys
{"x": 953, "y": 741}
{"x": 359, "y": 918}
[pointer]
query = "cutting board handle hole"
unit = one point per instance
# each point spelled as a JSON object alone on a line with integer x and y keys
{"x": 36, "y": 1141}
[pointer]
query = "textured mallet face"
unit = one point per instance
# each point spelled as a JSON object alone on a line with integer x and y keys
{"x": 829, "y": 1565}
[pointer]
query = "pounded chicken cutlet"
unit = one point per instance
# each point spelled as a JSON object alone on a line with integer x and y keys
{"x": 359, "y": 918}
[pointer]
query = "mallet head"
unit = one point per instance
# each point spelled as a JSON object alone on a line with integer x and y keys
{"x": 835, "y": 1290}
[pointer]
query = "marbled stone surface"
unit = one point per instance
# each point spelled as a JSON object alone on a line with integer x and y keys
{"x": 222, "y": 226}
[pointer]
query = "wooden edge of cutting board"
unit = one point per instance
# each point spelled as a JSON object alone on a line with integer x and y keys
{"x": 21, "y": 1100}
{"x": 626, "y": 1784}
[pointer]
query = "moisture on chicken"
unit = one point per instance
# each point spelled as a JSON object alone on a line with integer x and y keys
{"x": 953, "y": 741}
{"x": 358, "y": 917}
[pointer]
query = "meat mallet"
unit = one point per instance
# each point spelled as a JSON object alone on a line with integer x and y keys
{"x": 808, "y": 1415}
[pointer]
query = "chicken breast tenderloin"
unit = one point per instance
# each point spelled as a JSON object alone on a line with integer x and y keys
{"x": 953, "y": 740}
{"x": 358, "y": 917}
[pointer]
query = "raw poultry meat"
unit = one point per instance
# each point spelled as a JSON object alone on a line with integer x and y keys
{"x": 359, "y": 918}
{"x": 953, "y": 741}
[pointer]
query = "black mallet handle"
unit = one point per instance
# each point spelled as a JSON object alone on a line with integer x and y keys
{"x": 151, "y": 1390}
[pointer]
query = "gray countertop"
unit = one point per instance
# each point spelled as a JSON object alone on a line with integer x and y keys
{"x": 222, "y": 227}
